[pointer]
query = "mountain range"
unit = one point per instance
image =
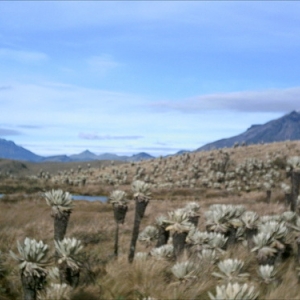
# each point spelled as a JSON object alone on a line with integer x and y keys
{"x": 281, "y": 129}
{"x": 9, "y": 150}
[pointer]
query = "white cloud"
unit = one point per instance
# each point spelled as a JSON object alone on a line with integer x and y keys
{"x": 22, "y": 56}
{"x": 92, "y": 136}
{"x": 102, "y": 63}
{"x": 273, "y": 100}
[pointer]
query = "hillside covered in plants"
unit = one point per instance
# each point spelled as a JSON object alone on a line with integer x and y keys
{"x": 221, "y": 224}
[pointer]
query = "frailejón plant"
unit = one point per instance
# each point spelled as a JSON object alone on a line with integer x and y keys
{"x": 32, "y": 266}
{"x": 62, "y": 204}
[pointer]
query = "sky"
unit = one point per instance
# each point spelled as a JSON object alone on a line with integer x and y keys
{"x": 144, "y": 76}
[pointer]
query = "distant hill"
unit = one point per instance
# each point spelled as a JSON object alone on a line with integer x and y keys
{"x": 282, "y": 129}
{"x": 84, "y": 156}
{"x": 9, "y": 150}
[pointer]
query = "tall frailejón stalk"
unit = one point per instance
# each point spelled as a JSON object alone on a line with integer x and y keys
{"x": 32, "y": 266}
{"x": 68, "y": 263}
{"x": 62, "y": 205}
{"x": 141, "y": 195}
{"x": 117, "y": 199}
{"x": 178, "y": 222}
{"x": 294, "y": 163}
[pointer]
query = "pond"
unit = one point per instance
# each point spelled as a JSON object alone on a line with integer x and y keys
{"x": 83, "y": 197}
{"x": 89, "y": 198}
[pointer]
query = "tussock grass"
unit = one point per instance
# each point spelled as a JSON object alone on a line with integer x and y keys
{"x": 104, "y": 277}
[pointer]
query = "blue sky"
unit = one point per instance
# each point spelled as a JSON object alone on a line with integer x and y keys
{"x": 153, "y": 76}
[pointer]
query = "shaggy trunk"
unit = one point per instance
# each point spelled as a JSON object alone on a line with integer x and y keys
{"x": 231, "y": 234}
{"x": 30, "y": 285}
{"x": 163, "y": 236}
{"x": 116, "y": 240}
{"x": 60, "y": 225}
{"x": 120, "y": 213}
{"x": 67, "y": 275}
{"x": 268, "y": 196}
{"x": 140, "y": 207}
{"x": 288, "y": 199}
{"x": 179, "y": 243}
{"x": 194, "y": 220}
{"x": 250, "y": 232}
{"x": 295, "y": 189}
{"x": 298, "y": 249}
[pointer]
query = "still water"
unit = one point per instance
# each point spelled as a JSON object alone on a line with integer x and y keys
{"x": 82, "y": 197}
{"x": 89, "y": 198}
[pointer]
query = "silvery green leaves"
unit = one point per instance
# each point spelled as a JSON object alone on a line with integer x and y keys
{"x": 184, "y": 271}
{"x": 250, "y": 219}
{"x": 118, "y": 200}
{"x": 165, "y": 252}
{"x": 178, "y": 221}
{"x": 68, "y": 250}
{"x": 231, "y": 270}
{"x": 31, "y": 259}
{"x": 285, "y": 188}
{"x": 264, "y": 247}
{"x": 234, "y": 291}
{"x": 118, "y": 197}
{"x": 220, "y": 218}
{"x": 141, "y": 190}
{"x": 277, "y": 230}
{"x": 148, "y": 235}
{"x": 206, "y": 240}
{"x": 56, "y": 291}
{"x": 267, "y": 273}
{"x": 59, "y": 200}
{"x": 294, "y": 162}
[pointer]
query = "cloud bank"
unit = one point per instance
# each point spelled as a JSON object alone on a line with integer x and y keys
{"x": 89, "y": 136}
{"x": 273, "y": 100}
{"x": 8, "y": 132}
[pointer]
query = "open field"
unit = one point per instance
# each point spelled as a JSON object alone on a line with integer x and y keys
{"x": 105, "y": 277}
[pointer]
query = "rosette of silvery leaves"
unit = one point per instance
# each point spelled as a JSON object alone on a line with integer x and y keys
{"x": 141, "y": 190}
{"x": 234, "y": 291}
{"x": 231, "y": 270}
{"x": 164, "y": 252}
{"x": 264, "y": 245}
{"x": 267, "y": 273}
{"x": 185, "y": 270}
{"x": 31, "y": 259}
{"x": 294, "y": 162}
{"x": 118, "y": 197}
{"x": 178, "y": 221}
{"x": 59, "y": 200}
{"x": 68, "y": 250}
{"x": 278, "y": 231}
{"x": 148, "y": 235}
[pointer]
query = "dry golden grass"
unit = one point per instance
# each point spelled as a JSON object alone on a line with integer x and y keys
{"x": 103, "y": 276}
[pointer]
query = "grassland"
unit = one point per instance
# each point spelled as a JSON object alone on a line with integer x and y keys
{"x": 24, "y": 213}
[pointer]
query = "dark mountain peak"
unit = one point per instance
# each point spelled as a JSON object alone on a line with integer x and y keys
{"x": 10, "y": 150}
{"x": 87, "y": 152}
{"x": 293, "y": 116}
{"x": 278, "y": 130}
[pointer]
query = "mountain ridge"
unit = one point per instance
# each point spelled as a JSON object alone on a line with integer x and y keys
{"x": 278, "y": 130}
{"x": 9, "y": 150}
